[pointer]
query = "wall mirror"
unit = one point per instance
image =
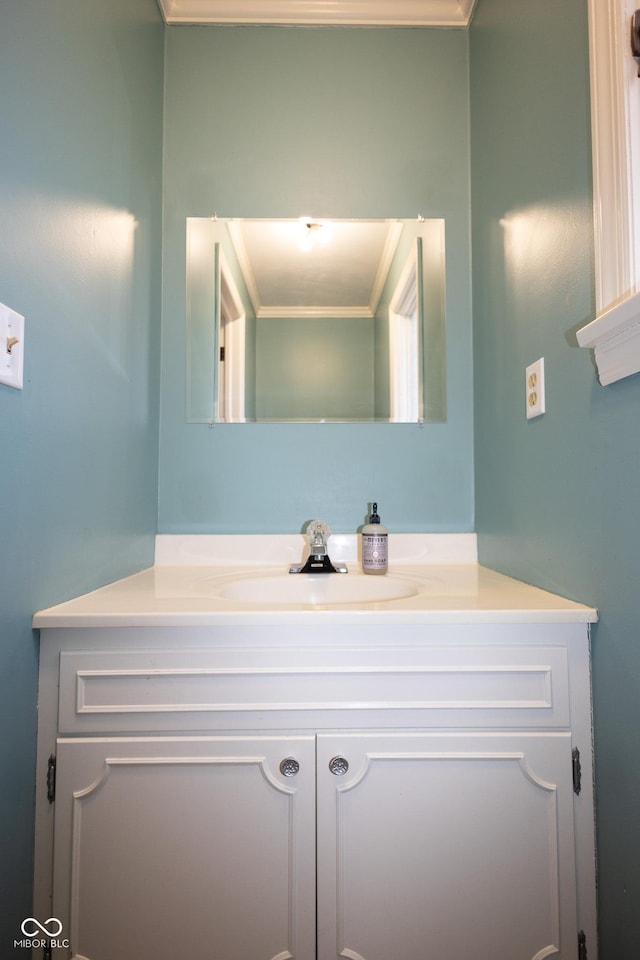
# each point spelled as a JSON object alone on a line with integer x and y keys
{"x": 315, "y": 320}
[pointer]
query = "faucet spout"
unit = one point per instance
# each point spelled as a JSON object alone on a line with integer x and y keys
{"x": 318, "y": 560}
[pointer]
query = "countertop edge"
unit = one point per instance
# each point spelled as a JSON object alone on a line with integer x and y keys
{"x": 306, "y": 617}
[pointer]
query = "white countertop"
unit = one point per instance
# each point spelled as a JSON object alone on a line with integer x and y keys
{"x": 184, "y": 589}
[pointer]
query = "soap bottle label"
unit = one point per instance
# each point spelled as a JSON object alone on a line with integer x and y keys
{"x": 374, "y": 551}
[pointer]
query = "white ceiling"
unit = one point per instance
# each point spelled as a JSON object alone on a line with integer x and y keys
{"x": 341, "y": 273}
{"x": 415, "y": 13}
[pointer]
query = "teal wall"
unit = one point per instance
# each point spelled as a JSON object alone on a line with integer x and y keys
{"x": 80, "y": 195}
{"x": 314, "y": 368}
{"x": 280, "y": 122}
{"x": 557, "y": 497}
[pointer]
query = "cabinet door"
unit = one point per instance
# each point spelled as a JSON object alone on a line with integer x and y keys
{"x": 186, "y": 847}
{"x": 446, "y": 846}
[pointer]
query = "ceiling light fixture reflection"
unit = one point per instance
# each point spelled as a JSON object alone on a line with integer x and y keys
{"x": 313, "y": 233}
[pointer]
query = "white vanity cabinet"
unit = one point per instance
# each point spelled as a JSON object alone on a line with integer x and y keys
{"x": 446, "y": 846}
{"x": 317, "y": 791}
{"x": 185, "y": 847}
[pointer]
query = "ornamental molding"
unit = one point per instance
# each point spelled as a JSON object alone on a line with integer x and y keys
{"x": 391, "y": 13}
{"x": 614, "y": 337}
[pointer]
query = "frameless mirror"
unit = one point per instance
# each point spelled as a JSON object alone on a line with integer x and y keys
{"x": 315, "y": 320}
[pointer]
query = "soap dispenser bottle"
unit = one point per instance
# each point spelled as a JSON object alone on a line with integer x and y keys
{"x": 374, "y": 545}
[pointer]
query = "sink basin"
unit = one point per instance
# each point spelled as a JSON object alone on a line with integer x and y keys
{"x": 316, "y": 589}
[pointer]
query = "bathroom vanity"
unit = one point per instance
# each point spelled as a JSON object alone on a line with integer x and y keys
{"x": 263, "y": 779}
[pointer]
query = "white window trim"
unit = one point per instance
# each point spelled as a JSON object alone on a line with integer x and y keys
{"x": 614, "y": 335}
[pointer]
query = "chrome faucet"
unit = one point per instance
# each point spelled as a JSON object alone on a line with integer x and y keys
{"x": 318, "y": 533}
{"x": 318, "y": 560}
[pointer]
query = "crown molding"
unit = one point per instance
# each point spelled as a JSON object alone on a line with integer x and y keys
{"x": 390, "y": 13}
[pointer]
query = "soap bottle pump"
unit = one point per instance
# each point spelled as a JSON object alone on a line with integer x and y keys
{"x": 374, "y": 545}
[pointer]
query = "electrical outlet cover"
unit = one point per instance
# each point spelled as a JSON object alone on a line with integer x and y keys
{"x": 11, "y": 347}
{"x": 534, "y": 389}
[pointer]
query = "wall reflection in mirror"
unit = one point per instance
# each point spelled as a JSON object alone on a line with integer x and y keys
{"x": 315, "y": 320}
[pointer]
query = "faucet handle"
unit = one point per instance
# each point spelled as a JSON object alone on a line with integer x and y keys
{"x": 318, "y": 532}
{"x": 318, "y": 560}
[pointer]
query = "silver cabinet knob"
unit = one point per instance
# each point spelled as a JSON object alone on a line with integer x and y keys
{"x": 338, "y": 766}
{"x": 289, "y": 767}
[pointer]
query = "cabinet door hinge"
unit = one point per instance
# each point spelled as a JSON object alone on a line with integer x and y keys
{"x": 582, "y": 946}
{"x": 577, "y": 770}
{"x": 51, "y": 779}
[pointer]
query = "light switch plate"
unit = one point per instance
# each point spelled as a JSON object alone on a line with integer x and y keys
{"x": 534, "y": 389}
{"x": 11, "y": 347}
